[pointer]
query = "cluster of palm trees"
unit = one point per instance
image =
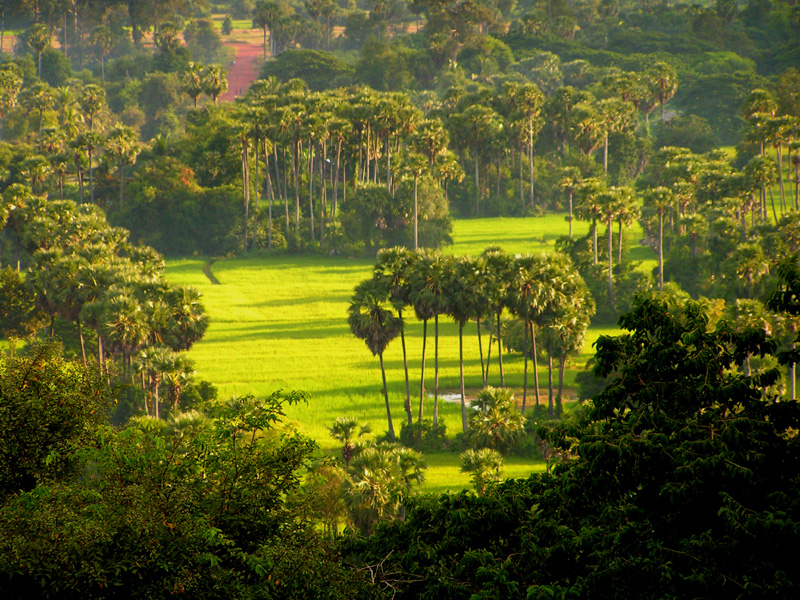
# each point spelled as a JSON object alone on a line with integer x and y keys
{"x": 373, "y": 481}
{"x": 84, "y": 272}
{"x": 298, "y": 144}
{"x": 73, "y": 132}
{"x": 200, "y": 79}
{"x": 545, "y": 293}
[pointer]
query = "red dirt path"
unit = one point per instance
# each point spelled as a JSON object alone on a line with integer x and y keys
{"x": 244, "y": 70}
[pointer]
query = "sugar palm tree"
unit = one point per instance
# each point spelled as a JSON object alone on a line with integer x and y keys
{"x": 467, "y": 300}
{"x": 659, "y": 199}
{"x": 483, "y": 466}
{"x": 589, "y": 207}
{"x": 498, "y": 271}
{"x": 348, "y": 431}
{"x": 393, "y": 272}
{"x": 371, "y": 320}
{"x": 429, "y": 296}
{"x": 121, "y": 145}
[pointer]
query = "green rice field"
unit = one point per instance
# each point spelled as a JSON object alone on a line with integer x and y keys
{"x": 279, "y": 322}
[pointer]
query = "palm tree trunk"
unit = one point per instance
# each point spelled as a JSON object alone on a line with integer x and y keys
{"x": 570, "y": 214}
{"x": 521, "y": 187}
{"x": 407, "y": 404}
{"x": 779, "y": 156}
{"x": 461, "y": 375}
{"x": 477, "y": 187}
{"x": 525, "y": 370}
{"x": 610, "y": 264}
{"x": 619, "y": 244}
{"x": 605, "y": 153}
{"x": 530, "y": 162}
{"x": 484, "y": 373}
{"x": 422, "y": 371}
{"x": 435, "y": 370}
{"x": 295, "y": 167}
{"x": 661, "y": 250}
{"x": 271, "y": 192}
{"x": 311, "y": 187}
{"x": 80, "y": 337}
{"x": 336, "y": 181}
{"x": 416, "y": 215}
{"x": 535, "y": 364}
{"x": 386, "y": 398}
{"x": 594, "y": 240}
{"x": 561, "y": 368}
{"x": 550, "y": 384}
{"x": 500, "y": 354}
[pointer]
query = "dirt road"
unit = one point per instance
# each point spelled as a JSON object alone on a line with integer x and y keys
{"x": 244, "y": 71}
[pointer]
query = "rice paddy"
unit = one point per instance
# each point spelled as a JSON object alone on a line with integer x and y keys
{"x": 279, "y": 322}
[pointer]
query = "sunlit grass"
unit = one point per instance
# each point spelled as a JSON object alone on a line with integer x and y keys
{"x": 279, "y": 322}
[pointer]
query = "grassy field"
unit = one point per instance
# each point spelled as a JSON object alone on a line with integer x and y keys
{"x": 279, "y": 322}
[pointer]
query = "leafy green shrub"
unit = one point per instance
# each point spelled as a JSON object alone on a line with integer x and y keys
{"x": 424, "y": 437}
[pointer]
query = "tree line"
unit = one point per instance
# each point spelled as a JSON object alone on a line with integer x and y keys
{"x": 544, "y": 293}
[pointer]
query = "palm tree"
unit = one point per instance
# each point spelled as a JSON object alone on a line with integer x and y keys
{"x": 192, "y": 81}
{"x": 467, "y": 300}
{"x": 214, "y": 82}
{"x": 121, "y": 146}
{"x": 429, "y": 296}
{"x": 483, "y": 466}
{"x": 659, "y": 199}
{"x": 348, "y": 431}
{"x": 371, "y": 320}
{"x": 498, "y": 271}
{"x": 92, "y": 102}
{"x": 265, "y": 17}
{"x": 570, "y": 178}
{"x": 102, "y": 38}
{"x": 414, "y": 164}
{"x": 393, "y": 272}
{"x": 38, "y": 38}
{"x": 527, "y": 298}
{"x": 589, "y": 207}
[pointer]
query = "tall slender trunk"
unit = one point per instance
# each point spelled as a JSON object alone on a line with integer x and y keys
{"x": 550, "y": 384}
{"x": 386, "y": 398}
{"x": 311, "y": 187}
{"x": 594, "y": 240}
{"x": 610, "y": 263}
{"x": 477, "y": 188}
{"x": 525, "y": 371}
{"x": 336, "y": 180}
{"x": 388, "y": 165}
{"x": 295, "y": 168}
{"x": 570, "y": 213}
{"x": 416, "y": 215}
{"x": 121, "y": 185}
{"x": 257, "y": 191}
{"x": 605, "y": 153}
{"x": 661, "y": 250}
{"x": 619, "y": 244}
{"x": 80, "y": 337}
{"x": 461, "y": 375}
{"x": 270, "y": 192}
{"x": 500, "y": 353}
{"x": 535, "y": 364}
{"x": 422, "y": 371}
{"x": 407, "y": 404}
{"x": 779, "y": 156}
{"x": 561, "y": 368}
{"x": 245, "y": 190}
{"x": 480, "y": 350}
{"x": 435, "y": 370}
{"x": 521, "y": 186}
{"x": 530, "y": 164}
{"x": 91, "y": 177}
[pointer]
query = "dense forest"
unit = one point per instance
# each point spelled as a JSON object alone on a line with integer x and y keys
{"x": 372, "y": 125}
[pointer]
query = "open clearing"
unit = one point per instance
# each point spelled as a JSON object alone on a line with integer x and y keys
{"x": 279, "y": 322}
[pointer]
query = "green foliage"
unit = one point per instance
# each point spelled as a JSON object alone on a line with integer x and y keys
{"x": 483, "y": 466}
{"x": 319, "y": 70}
{"x": 682, "y": 479}
{"x": 495, "y": 423}
{"x": 49, "y": 409}
{"x": 198, "y": 505}
{"x": 424, "y": 436}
